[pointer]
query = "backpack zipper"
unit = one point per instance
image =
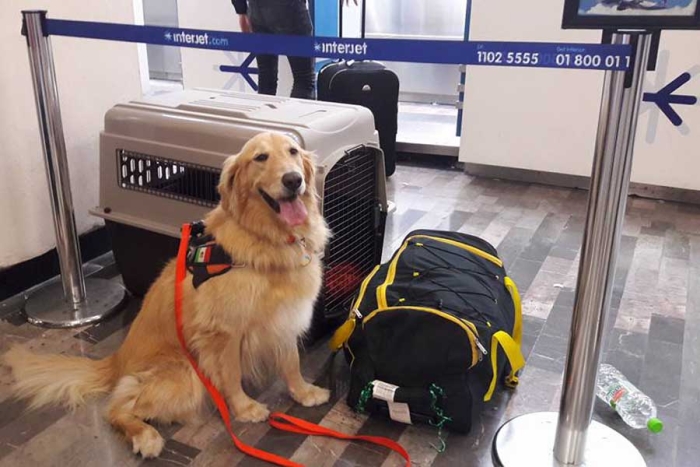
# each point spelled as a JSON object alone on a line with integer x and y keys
{"x": 390, "y": 276}
{"x": 481, "y": 348}
{"x": 363, "y": 289}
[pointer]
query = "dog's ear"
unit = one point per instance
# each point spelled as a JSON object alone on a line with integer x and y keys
{"x": 226, "y": 181}
{"x": 308, "y": 160}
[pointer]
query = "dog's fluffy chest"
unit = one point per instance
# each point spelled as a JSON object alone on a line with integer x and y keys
{"x": 291, "y": 297}
{"x": 244, "y": 298}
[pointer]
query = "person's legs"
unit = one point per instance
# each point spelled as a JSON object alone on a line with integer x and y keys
{"x": 267, "y": 74}
{"x": 289, "y": 17}
{"x": 304, "y": 77}
{"x": 268, "y": 65}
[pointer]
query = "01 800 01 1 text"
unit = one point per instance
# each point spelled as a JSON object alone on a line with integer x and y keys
{"x": 552, "y": 60}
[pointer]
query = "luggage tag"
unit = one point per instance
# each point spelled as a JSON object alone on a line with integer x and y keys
{"x": 398, "y": 411}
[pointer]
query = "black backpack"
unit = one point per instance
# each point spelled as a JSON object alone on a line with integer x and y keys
{"x": 433, "y": 329}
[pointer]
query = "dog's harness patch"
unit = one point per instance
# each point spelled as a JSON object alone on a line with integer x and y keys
{"x": 205, "y": 257}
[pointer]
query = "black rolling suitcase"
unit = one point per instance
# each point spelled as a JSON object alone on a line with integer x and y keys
{"x": 369, "y": 84}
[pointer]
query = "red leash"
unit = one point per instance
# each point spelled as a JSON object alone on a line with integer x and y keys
{"x": 277, "y": 420}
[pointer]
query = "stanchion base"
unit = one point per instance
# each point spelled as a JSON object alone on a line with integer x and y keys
{"x": 528, "y": 441}
{"x": 47, "y": 307}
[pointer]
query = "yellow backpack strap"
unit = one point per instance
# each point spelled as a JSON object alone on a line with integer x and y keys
{"x": 518, "y": 326}
{"x": 514, "y": 355}
{"x": 342, "y": 334}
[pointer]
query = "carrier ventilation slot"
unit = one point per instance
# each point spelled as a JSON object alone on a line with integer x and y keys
{"x": 172, "y": 179}
{"x": 350, "y": 207}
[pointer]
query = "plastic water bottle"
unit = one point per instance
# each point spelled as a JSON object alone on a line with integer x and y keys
{"x": 635, "y": 407}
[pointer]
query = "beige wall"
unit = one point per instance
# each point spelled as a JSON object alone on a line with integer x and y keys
{"x": 92, "y": 76}
{"x": 545, "y": 119}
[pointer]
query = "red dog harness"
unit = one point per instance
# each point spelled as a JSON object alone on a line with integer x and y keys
{"x": 277, "y": 420}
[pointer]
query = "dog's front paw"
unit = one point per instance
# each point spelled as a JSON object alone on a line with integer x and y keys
{"x": 310, "y": 395}
{"x": 253, "y": 412}
{"x": 149, "y": 443}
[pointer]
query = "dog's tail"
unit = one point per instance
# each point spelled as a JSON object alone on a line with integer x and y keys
{"x": 58, "y": 379}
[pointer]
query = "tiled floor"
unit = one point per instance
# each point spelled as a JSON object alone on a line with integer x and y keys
{"x": 653, "y": 339}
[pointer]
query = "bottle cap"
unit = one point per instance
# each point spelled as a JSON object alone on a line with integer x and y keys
{"x": 655, "y": 425}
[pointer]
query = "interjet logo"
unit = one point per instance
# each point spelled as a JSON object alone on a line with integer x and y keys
{"x": 333, "y": 47}
{"x": 182, "y": 37}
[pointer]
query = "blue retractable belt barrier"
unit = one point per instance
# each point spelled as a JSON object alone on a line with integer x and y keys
{"x": 520, "y": 54}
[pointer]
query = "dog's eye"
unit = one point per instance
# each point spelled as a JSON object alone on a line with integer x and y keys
{"x": 293, "y": 151}
{"x": 261, "y": 157}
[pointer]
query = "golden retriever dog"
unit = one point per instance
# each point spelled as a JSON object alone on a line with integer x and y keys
{"x": 238, "y": 325}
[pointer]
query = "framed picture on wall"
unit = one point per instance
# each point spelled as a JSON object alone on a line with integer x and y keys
{"x": 626, "y": 14}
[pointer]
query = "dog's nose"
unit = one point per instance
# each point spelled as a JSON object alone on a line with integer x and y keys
{"x": 292, "y": 181}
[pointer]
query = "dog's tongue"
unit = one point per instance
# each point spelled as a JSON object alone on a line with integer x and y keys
{"x": 293, "y": 212}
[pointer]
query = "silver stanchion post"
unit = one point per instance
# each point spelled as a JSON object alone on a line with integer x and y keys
{"x": 570, "y": 437}
{"x": 74, "y": 301}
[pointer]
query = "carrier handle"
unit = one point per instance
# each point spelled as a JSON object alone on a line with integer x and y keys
{"x": 363, "y": 18}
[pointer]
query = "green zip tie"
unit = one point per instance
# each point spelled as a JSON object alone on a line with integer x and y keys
{"x": 365, "y": 395}
{"x": 435, "y": 392}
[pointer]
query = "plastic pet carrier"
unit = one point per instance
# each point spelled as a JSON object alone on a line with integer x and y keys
{"x": 160, "y": 160}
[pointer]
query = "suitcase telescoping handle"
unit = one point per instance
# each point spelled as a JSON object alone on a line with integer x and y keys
{"x": 363, "y": 17}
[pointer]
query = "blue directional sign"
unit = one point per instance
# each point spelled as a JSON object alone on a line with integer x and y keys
{"x": 244, "y": 70}
{"x": 665, "y": 97}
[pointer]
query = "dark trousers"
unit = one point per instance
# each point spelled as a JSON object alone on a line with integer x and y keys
{"x": 287, "y": 17}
